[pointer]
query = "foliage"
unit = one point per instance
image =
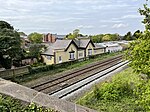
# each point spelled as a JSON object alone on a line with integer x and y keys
{"x": 34, "y": 108}
{"x": 96, "y": 38}
{"x": 146, "y": 13}
{"x": 73, "y": 35}
{"x": 142, "y": 93}
{"x": 10, "y": 43}
{"x": 6, "y": 25}
{"x": 22, "y": 34}
{"x": 139, "y": 50}
{"x": 35, "y": 50}
{"x": 48, "y": 70}
{"x": 7, "y": 104}
{"x": 35, "y": 37}
{"x": 128, "y": 36}
{"x": 137, "y": 34}
{"x": 104, "y": 37}
{"x": 110, "y": 37}
{"x": 125, "y": 92}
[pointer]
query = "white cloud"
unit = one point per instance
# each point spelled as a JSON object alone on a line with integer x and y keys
{"x": 110, "y": 21}
{"x": 103, "y": 26}
{"x": 85, "y": 26}
{"x": 120, "y": 25}
{"x": 131, "y": 16}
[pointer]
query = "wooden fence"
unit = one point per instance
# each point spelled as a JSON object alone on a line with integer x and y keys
{"x": 10, "y": 73}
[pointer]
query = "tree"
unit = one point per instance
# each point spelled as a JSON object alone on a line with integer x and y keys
{"x": 137, "y": 34}
{"x": 76, "y": 33}
{"x": 96, "y": 38}
{"x": 106, "y": 37}
{"x": 6, "y": 25}
{"x": 73, "y": 35}
{"x": 128, "y": 36}
{"x": 10, "y": 44}
{"x": 35, "y": 37}
{"x": 35, "y": 50}
{"x": 139, "y": 50}
{"x": 22, "y": 34}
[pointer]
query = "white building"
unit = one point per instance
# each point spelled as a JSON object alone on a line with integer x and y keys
{"x": 112, "y": 46}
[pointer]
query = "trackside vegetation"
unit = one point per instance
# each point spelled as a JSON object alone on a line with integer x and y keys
{"x": 49, "y": 70}
{"x": 125, "y": 92}
{"x": 8, "y": 104}
{"x": 139, "y": 50}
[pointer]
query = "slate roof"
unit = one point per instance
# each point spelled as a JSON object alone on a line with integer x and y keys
{"x": 63, "y": 44}
{"x": 82, "y": 43}
{"x": 59, "y": 44}
{"x": 99, "y": 46}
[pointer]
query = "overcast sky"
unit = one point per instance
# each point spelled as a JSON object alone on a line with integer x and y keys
{"x": 63, "y": 16}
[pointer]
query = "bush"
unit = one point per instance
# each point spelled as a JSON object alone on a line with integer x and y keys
{"x": 7, "y": 104}
{"x": 6, "y": 63}
{"x": 120, "y": 94}
{"x": 34, "y": 70}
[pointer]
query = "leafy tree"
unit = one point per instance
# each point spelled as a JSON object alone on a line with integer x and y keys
{"x": 139, "y": 50}
{"x": 96, "y": 38}
{"x": 10, "y": 44}
{"x": 137, "y": 34}
{"x": 128, "y": 36}
{"x": 76, "y": 33}
{"x": 35, "y": 37}
{"x": 35, "y": 50}
{"x": 114, "y": 37}
{"x": 22, "y": 34}
{"x": 6, "y": 25}
{"x": 106, "y": 38}
{"x": 73, "y": 35}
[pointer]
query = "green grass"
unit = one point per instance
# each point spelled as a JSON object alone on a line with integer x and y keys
{"x": 29, "y": 77}
{"x": 125, "y": 92}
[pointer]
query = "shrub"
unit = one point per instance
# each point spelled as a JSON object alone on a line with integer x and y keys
{"x": 7, "y": 104}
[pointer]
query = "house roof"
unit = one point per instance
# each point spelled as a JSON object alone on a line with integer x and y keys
{"x": 64, "y": 44}
{"x": 59, "y": 44}
{"x": 83, "y": 43}
{"x": 49, "y": 51}
{"x": 99, "y": 46}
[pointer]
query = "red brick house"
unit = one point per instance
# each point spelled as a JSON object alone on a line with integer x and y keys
{"x": 49, "y": 38}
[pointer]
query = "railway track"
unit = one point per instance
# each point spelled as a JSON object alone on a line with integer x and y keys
{"x": 57, "y": 84}
{"x": 70, "y": 91}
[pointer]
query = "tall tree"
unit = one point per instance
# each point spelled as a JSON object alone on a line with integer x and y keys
{"x": 10, "y": 44}
{"x": 137, "y": 34}
{"x": 73, "y": 35}
{"x": 139, "y": 50}
{"x": 35, "y": 37}
{"x": 128, "y": 36}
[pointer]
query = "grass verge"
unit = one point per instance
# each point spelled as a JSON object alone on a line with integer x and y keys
{"x": 126, "y": 92}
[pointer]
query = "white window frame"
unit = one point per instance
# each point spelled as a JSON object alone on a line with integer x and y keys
{"x": 60, "y": 59}
{"x": 72, "y": 55}
{"x": 89, "y": 52}
{"x": 49, "y": 57}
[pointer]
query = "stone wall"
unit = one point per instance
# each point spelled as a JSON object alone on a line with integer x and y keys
{"x": 29, "y": 95}
{"x": 14, "y": 72}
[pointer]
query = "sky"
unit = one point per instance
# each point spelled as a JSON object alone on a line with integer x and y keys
{"x": 63, "y": 16}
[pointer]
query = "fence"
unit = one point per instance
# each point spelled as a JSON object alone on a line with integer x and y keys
{"x": 10, "y": 73}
